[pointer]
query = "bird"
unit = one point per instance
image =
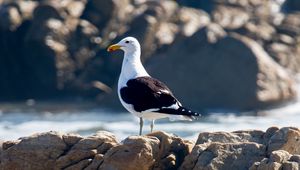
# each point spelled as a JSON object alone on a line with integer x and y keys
{"x": 142, "y": 95}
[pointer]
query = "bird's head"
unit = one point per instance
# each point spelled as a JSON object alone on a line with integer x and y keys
{"x": 128, "y": 45}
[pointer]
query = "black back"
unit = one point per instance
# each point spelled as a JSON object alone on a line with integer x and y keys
{"x": 147, "y": 93}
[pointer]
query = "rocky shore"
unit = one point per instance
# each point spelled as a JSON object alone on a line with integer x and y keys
{"x": 274, "y": 149}
{"x": 240, "y": 55}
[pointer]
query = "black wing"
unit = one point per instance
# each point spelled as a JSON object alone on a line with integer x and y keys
{"x": 146, "y": 93}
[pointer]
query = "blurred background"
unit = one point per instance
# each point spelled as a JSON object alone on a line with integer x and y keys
{"x": 235, "y": 61}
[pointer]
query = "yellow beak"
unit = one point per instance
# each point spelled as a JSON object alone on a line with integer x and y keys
{"x": 113, "y": 47}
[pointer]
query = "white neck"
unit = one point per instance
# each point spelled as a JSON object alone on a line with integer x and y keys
{"x": 132, "y": 67}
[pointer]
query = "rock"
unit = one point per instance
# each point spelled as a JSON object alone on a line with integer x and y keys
{"x": 144, "y": 25}
{"x": 87, "y": 148}
{"x": 287, "y": 56}
{"x": 260, "y": 31}
{"x": 224, "y": 156}
{"x": 290, "y": 166}
{"x": 39, "y": 151}
{"x": 172, "y": 152}
{"x": 295, "y": 158}
{"x": 271, "y": 166}
{"x": 75, "y": 158}
{"x": 278, "y": 160}
{"x": 97, "y": 161}
{"x": 230, "y": 17}
{"x": 69, "y": 39}
{"x": 158, "y": 150}
{"x": 11, "y": 17}
{"x": 233, "y": 137}
{"x": 234, "y": 82}
{"x": 128, "y": 155}
{"x": 71, "y": 139}
{"x": 192, "y": 20}
{"x": 290, "y": 25}
{"x": 279, "y": 156}
{"x": 100, "y": 12}
{"x": 287, "y": 139}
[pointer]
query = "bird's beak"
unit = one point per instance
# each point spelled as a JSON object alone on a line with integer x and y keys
{"x": 113, "y": 47}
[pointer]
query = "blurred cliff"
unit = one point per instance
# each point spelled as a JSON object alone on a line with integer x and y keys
{"x": 230, "y": 54}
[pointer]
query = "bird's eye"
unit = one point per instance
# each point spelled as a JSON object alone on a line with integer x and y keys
{"x": 127, "y": 42}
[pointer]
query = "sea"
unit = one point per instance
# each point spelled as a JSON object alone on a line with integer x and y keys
{"x": 26, "y": 118}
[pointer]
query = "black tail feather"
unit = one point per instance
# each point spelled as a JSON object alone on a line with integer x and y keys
{"x": 180, "y": 111}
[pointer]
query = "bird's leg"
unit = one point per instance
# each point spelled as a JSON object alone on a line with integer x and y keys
{"x": 152, "y": 125}
{"x": 141, "y": 125}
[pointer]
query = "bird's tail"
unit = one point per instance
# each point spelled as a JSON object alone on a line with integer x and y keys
{"x": 188, "y": 113}
{"x": 181, "y": 111}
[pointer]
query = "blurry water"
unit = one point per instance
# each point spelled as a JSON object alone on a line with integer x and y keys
{"x": 17, "y": 122}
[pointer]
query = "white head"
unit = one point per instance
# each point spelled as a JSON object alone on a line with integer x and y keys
{"x": 128, "y": 45}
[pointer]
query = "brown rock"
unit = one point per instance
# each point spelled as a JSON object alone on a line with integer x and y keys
{"x": 287, "y": 139}
{"x": 290, "y": 25}
{"x": 73, "y": 157}
{"x": 71, "y": 139}
{"x": 290, "y": 166}
{"x": 38, "y": 151}
{"x": 271, "y": 166}
{"x": 286, "y": 55}
{"x": 279, "y": 156}
{"x": 192, "y": 20}
{"x": 158, "y": 150}
{"x": 136, "y": 153}
{"x": 224, "y": 156}
{"x": 7, "y": 144}
{"x": 87, "y": 148}
{"x": 79, "y": 165}
{"x": 97, "y": 161}
{"x": 230, "y": 17}
{"x": 172, "y": 152}
{"x": 191, "y": 159}
{"x": 100, "y": 12}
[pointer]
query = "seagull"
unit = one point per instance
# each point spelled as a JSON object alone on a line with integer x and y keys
{"x": 142, "y": 95}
